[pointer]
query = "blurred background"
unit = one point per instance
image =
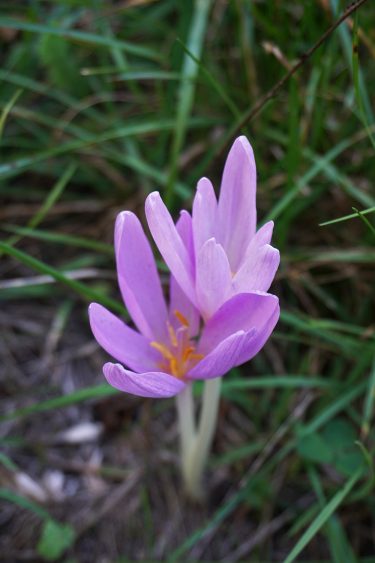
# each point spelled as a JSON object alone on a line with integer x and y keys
{"x": 101, "y": 103}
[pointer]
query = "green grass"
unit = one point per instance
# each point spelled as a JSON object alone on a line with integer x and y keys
{"x": 102, "y": 103}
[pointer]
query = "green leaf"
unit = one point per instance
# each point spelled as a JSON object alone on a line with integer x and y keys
{"x": 55, "y": 539}
{"x": 340, "y": 435}
{"x": 314, "y": 448}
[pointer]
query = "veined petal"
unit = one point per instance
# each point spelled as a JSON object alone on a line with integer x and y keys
{"x": 223, "y": 358}
{"x": 178, "y": 300}
{"x": 259, "y": 339}
{"x": 204, "y": 213}
{"x": 169, "y": 243}
{"x": 213, "y": 278}
{"x": 184, "y": 227}
{"x": 138, "y": 277}
{"x": 258, "y": 271}
{"x": 262, "y": 236}
{"x": 120, "y": 341}
{"x": 237, "y": 202}
{"x": 243, "y": 312}
{"x": 152, "y": 384}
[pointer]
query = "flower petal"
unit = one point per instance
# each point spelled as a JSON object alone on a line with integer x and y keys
{"x": 184, "y": 227}
{"x": 120, "y": 341}
{"x": 261, "y": 336}
{"x": 138, "y": 277}
{"x": 237, "y": 202}
{"x": 258, "y": 271}
{"x": 261, "y": 237}
{"x": 204, "y": 213}
{"x": 152, "y": 384}
{"x": 178, "y": 300}
{"x": 223, "y": 358}
{"x": 244, "y": 311}
{"x": 264, "y": 234}
{"x": 213, "y": 278}
{"x": 169, "y": 243}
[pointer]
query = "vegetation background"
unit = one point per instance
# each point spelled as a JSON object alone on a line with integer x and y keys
{"x": 101, "y": 103}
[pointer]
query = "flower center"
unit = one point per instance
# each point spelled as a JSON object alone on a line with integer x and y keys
{"x": 178, "y": 355}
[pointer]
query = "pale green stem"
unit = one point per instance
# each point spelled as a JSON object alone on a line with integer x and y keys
{"x": 198, "y": 452}
{"x": 186, "y": 422}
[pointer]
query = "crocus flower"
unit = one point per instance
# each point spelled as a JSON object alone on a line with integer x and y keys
{"x": 171, "y": 347}
{"x": 226, "y": 256}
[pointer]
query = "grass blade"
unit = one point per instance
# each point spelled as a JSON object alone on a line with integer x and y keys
{"x": 187, "y": 88}
{"x": 81, "y": 289}
{"x": 347, "y": 217}
{"x": 80, "y": 36}
{"x": 7, "y": 109}
{"x": 322, "y": 518}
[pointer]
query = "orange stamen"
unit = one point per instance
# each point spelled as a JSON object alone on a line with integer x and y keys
{"x": 196, "y": 356}
{"x": 179, "y": 355}
{"x": 175, "y": 368}
{"x": 187, "y": 353}
{"x": 183, "y": 320}
{"x": 172, "y": 335}
{"x": 163, "y": 350}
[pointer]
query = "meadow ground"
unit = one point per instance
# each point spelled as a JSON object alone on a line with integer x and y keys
{"x": 101, "y": 103}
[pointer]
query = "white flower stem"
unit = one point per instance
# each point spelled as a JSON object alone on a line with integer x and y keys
{"x": 186, "y": 422}
{"x": 199, "y": 451}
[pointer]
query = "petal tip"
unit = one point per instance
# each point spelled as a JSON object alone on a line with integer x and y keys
{"x": 122, "y": 218}
{"x": 244, "y": 142}
{"x": 152, "y": 198}
{"x": 93, "y": 307}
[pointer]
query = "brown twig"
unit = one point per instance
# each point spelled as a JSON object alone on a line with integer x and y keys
{"x": 255, "y": 109}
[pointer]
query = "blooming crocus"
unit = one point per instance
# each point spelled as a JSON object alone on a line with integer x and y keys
{"x": 170, "y": 347}
{"x": 226, "y": 256}
{"x": 218, "y": 315}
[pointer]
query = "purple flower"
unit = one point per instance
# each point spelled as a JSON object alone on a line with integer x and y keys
{"x": 171, "y": 348}
{"x": 224, "y": 255}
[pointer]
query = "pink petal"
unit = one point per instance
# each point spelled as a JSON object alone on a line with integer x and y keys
{"x": 169, "y": 243}
{"x": 243, "y": 312}
{"x": 120, "y": 341}
{"x": 138, "y": 277}
{"x": 264, "y": 234}
{"x": 258, "y": 271}
{"x": 184, "y": 227}
{"x": 213, "y": 278}
{"x": 178, "y": 300}
{"x": 204, "y": 213}
{"x": 223, "y": 358}
{"x": 237, "y": 202}
{"x": 261, "y": 237}
{"x": 260, "y": 338}
{"x": 152, "y": 384}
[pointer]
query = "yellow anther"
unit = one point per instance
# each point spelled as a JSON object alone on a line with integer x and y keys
{"x": 163, "y": 350}
{"x": 174, "y": 367}
{"x": 187, "y": 353}
{"x": 172, "y": 335}
{"x": 183, "y": 320}
{"x": 196, "y": 356}
{"x": 179, "y": 354}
